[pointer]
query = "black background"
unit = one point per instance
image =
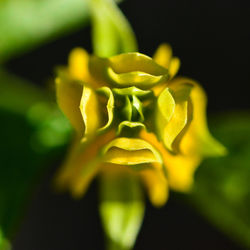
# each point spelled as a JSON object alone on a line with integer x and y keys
{"x": 212, "y": 40}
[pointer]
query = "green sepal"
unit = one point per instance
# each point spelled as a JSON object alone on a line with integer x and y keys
{"x": 127, "y": 110}
{"x": 110, "y": 106}
{"x": 121, "y": 209}
{"x": 137, "y": 111}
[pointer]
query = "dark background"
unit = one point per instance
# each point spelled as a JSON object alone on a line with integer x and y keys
{"x": 212, "y": 40}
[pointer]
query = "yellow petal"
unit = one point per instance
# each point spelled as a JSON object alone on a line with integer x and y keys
{"x": 180, "y": 117}
{"x": 180, "y": 169}
{"x": 131, "y": 62}
{"x": 164, "y": 111}
{"x": 163, "y": 55}
{"x": 137, "y": 78}
{"x": 68, "y": 98}
{"x": 90, "y": 111}
{"x": 174, "y": 66}
{"x": 197, "y": 139}
{"x": 157, "y": 186}
{"x": 172, "y": 114}
{"x": 78, "y": 64}
{"x": 82, "y": 164}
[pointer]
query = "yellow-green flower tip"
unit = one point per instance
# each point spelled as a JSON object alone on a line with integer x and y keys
{"x": 133, "y": 116}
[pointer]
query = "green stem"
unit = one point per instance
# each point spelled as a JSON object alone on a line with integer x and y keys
{"x": 111, "y": 33}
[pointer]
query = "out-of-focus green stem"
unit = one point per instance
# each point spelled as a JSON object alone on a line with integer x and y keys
{"x": 112, "y": 33}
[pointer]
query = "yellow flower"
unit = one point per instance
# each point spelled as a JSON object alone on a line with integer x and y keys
{"x": 133, "y": 116}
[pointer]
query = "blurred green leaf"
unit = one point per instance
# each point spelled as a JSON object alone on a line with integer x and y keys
{"x": 222, "y": 187}
{"x": 25, "y": 24}
{"x": 121, "y": 209}
{"x": 18, "y": 95}
{"x": 33, "y": 132}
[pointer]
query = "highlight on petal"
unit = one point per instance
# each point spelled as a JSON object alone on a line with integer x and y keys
{"x": 156, "y": 185}
{"x": 197, "y": 139}
{"x": 78, "y": 64}
{"x": 164, "y": 111}
{"x": 132, "y": 62}
{"x": 137, "y": 78}
{"x": 130, "y": 151}
{"x": 131, "y": 91}
{"x": 110, "y": 106}
{"x": 68, "y": 98}
{"x": 90, "y": 111}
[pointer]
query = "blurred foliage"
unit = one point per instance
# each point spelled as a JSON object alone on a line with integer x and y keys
{"x": 33, "y": 132}
{"x": 25, "y": 24}
{"x": 222, "y": 187}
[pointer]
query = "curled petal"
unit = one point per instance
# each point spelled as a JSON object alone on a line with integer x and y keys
{"x": 197, "y": 139}
{"x": 172, "y": 114}
{"x": 129, "y": 124}
{"x": 180, "y": 168}
{"x": 164, "y": 111}
{"x": 138, "y": 78}
{"x": 90, "y": 111}
{"x": 110, "y": 106}
{"x": 68, "y": 98}
{"x": 128, "y": 151}
{"x": 131, "y": 91}
{"x": 130, "y": 62}
{"x": 124, "y": 69}
{"x": 179, "y": 118}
